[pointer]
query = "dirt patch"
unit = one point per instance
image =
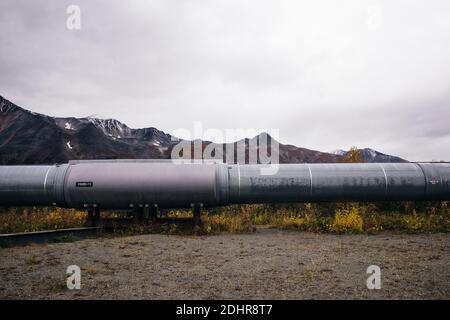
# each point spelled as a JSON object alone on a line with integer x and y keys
{"x": 266, "y": 264}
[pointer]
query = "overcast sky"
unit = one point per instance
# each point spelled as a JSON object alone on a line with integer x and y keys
{"x": 326, "y": 74}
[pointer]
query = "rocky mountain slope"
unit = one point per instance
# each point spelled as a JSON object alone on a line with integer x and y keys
{"x": 31, "y": 138}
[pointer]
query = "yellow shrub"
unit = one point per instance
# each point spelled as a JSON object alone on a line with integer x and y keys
{"x": 233, "y": 223}
{"x": 294, "y": 223}
{"x": 347, "y": 221}
{"x": 413, "y": 222}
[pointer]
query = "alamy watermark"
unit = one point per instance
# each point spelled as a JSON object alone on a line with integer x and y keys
{"x": 374, "y": 17}
{"x": 261, "y": 147}
{"x": 73, "y": 281}
{"x": 73, "y": 21}
{"x": 374, "y": 280}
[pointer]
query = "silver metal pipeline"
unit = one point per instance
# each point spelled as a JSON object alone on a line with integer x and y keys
{"x": 123, "y": 184}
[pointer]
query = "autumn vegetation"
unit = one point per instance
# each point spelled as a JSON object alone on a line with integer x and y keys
{"x": 340, "y": 218}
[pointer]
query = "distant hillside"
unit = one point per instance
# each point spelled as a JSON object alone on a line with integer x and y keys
{"x": 31, "y": 138}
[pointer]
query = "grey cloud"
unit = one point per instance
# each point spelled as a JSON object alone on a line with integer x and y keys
{"x": 313, "y": 70}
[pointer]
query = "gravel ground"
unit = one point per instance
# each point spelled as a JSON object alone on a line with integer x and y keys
{"x": 267, "y": 264}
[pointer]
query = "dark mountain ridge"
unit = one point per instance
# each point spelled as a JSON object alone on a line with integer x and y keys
{"x": 27, "y": 137}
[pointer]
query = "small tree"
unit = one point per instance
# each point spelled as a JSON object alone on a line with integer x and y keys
{"x": 354, "y": 155}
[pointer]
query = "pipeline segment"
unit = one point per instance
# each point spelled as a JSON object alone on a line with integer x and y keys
{"x": 124, "y": 184}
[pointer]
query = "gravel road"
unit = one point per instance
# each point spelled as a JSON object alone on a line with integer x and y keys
{"x": 266, "y": 264}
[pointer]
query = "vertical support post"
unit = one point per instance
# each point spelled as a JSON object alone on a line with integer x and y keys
{"x": 153, "y": 213}
{"x": 96, "y": 217}
{"x": 90, "y": 218}
{"x": 196, "y": 210}
{"x": 138, "y": 214}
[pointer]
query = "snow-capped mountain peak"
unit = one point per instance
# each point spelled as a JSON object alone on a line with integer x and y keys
{"x": 339, "y": 152}
{"x": 28, "y": 137}
{"x": 111, "y": 127}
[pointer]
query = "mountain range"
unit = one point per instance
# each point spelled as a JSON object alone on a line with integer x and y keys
{"x": 27, "y": 137}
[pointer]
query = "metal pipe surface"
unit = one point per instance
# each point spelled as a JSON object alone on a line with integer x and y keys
{"x": 123, "y": 184}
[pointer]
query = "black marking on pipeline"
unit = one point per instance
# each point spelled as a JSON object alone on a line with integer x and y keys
{"x": 84, "y": 184}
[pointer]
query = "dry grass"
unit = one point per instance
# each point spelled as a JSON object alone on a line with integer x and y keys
{"x": 91, "y": 270}
{"x": 348, "y": 218}
{"x": 341, "y": 218}
{"x": 35, "y": 219}
{"x": 32, "y": 260}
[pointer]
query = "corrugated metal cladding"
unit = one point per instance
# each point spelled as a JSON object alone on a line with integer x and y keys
{"x": 122, "y": 184}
